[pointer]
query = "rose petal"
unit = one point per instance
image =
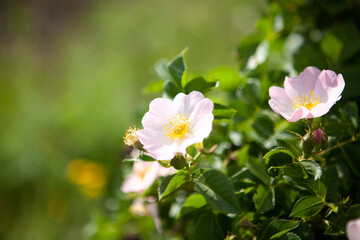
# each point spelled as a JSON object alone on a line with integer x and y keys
{"x": 353, "y": 229}
{"x": 329, "y": 86}
{"x": 297, "y": 115}
{"x": 280, "y": 99}
{"x": 304, "y": 83}
{"x": 154, "y": 122}
{"x": 321, "y": 109}
{"x": 185, "y": 104}
{"x": 203, "y": 107}
{"x": 203, "y": 126}
{"x": 151, "y": 139}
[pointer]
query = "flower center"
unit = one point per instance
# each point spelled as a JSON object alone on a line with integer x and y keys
{"x": 308, "y": 101}
{"x": 178, "y": 127}
{"x": 131, "y": 136}
{"x": 143, "y": 172}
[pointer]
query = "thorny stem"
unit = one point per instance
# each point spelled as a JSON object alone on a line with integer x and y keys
{"x": 309, "y": 122}
{"x": 353, "y": 139}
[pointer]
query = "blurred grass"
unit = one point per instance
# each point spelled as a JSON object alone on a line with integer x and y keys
{"x": 71, "y": 77}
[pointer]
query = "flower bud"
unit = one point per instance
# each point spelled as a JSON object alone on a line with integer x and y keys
{"x": 178, "y": 162}
{"x": 320, "y": 137}
{"x": 246, "y": 224}
{"x": 307, "y": 143}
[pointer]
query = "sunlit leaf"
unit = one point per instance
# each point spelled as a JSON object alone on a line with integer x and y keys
{"x": 193, "y": 202}
{"x": 200, "y": 84}
{"x": 312, "y": 168}
{"x": 176, "y": 68}
{"x": 171, "y": 183}
{"x": 223, "y": 112}
{"x": 306, "y": 207}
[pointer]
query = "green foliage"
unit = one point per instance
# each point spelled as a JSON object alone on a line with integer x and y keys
{"x": 218, "y": 191}
{"x": 223, "y": 112}
{"x": 264, "y": 198}
{"x": 171, "y": 183}
{"x": 306, "y": 207}
{"x": 200, "y": 84}
{"x": 206, "y": 227}
{"x": 277, "y": 228}
{"x": 192, "y": 203}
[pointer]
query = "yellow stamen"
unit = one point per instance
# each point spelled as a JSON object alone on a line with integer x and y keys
{"x": 306, "y": 101}
{"x": 131, "y": 136}
{"x": 143, "y": 172}
{"x": 178, "y": 127}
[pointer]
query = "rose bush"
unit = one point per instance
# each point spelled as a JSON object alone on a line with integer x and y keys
{"x": 242, "y": 169}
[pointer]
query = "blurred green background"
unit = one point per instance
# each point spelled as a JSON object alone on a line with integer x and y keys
{"x": 72, "y": 74}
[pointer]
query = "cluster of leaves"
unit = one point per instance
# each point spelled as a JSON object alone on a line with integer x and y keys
{"x": 250, "y": 177}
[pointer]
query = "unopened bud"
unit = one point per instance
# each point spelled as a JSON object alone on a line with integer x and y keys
{"x": 178, "y": 162}
{"x": 320, "y": 137}
{"x": 246, "y": 224}
{"x": 307, "y": 143}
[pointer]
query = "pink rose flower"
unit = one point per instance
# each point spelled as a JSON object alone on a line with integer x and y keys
{"x": 171, "y": 126}
{"x": 353, "y": 229}
{"x": 309, "y": 95}
{"x": 143, "y": 176}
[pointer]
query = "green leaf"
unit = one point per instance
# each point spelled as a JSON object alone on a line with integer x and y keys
{"x": 264, "y": 198}
{"x": 306, "y": 207}
{"x": 206, "y": 227}
{"x": 312, "y": 168}
{"x": 295, "y": 170}
{"x": 140, "y": 158}
{"x": 250, "y": 92}
{"x": 279, "y": 157}
{"x": 289, "y": 145}
{"x": 257, "y": 168}
{"x": 218, "y": 191}
{"x": 318, "y": 187}
{"x": 170, "y": 90}
{"x": 263, "y": 126}
{"x": 172, "y": 182}
{"x": 331, "y": 46}
{"x": 197, "y": 173}
{"x": 161, "y": 69}
{"x": 200, "y": 84}
{"x": 292, "y": 236}
{"x": 176, "y": 68}
{"x": 348, "y": 33}
{"x": 350, "y": 114}
{"x": 223, "y": 112}
{"x": 193, "y": 202}
{"x": 243, "y": 109}
{"x": 277, "y": 227}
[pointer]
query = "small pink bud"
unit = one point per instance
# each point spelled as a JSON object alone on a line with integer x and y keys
{"x": 320, "y": 136}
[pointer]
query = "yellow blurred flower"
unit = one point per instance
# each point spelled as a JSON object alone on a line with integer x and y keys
{"x": 90, "y": 177}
